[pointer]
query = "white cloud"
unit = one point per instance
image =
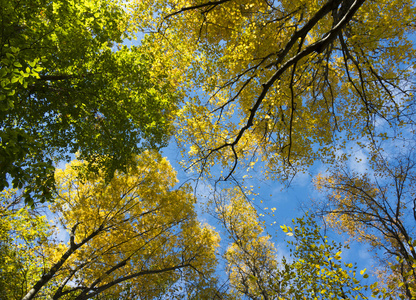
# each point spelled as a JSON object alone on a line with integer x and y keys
{"x": 359, "y": 162}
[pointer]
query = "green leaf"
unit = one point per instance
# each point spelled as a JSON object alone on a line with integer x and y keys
{"x": 3, "y": 72}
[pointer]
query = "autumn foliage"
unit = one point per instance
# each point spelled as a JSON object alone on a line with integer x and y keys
{"x": 249, "y": 90}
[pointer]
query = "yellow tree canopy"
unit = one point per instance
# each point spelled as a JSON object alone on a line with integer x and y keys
{"x": 276, "y": 80}
{"x": 135, "y": 235}
{"x": 378, "y": 208}
{"x": 23, "y": 232}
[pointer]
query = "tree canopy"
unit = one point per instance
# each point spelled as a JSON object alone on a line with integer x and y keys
{"x": 313, "y": 270}
{"x": 22, "y": 231}
{"x": 284, "y": 82}
{"x": 134, "y": 235}
{"x": 378, "y": 208}
{"x": 68, "y": 86}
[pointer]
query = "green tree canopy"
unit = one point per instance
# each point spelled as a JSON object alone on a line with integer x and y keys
{"x": 68, "y": 86}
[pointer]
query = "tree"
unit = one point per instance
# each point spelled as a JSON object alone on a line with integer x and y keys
{"x": 277, "y": 80}
{"x": 133, "y": 235}
{"x": 22, "y": 233}
{"x": 68, "y": 86}
{"x": 378, "y": 208}
{"x": 313, "y": 269}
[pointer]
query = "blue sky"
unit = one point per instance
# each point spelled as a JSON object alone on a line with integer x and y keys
{"x": 290, "y": 202}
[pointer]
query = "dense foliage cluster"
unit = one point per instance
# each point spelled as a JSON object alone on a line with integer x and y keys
{"x": 67, "y": 86}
